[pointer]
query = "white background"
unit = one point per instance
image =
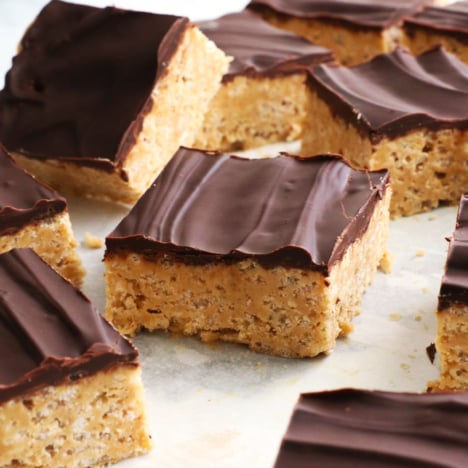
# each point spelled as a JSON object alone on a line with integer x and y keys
{"x": 222, "y": 405}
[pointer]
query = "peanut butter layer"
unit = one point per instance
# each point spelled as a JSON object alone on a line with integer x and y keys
{"x": 263, "y": 95}
{"x": 376, "y": 429}
{"x": 50, "y": 332}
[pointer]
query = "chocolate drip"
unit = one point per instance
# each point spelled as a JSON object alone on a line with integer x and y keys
{"x": 49, "y": 330}
{"x": 292, "y": 211}
{"x": 258, "y": 48}
{"x": 376, "y": 429}
{"x": 396, "y": 93}
{"x": 23, "y": 199}
{"x": 451, "y": 20}
{"x": 374, "y": 14}
{"x": 82, "y": 81}
{"x": 454, "y": 287}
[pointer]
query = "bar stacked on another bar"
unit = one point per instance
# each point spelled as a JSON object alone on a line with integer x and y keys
{"x": 273, "y": 253}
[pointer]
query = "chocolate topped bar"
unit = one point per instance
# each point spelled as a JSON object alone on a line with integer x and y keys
{"x": 207, "y": 207}
{"x": 395, "y": 93}
{"x": 24, "y": 200}
{"x": 82, "y": 82}
{"x": 454, "y": 287}
{"x": 375, "y": 14}
{"x": 258, "y": 48}
{"x": 50, "y": 332}
{"x": 451, "y": 19}
{"x": 376, "y": 429}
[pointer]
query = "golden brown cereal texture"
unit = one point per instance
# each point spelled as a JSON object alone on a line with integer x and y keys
{"x": 281, "y": 311}
{"x": 53, "y": 240}
{"x": 91, "y": 422}
{"x": 427, "y": 167}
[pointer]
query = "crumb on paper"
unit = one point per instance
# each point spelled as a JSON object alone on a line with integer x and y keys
{"x": 394, "y": 317}
{"x": 420, "y": 253}
{"x": 404, "y": 366}
{"x": 386, "y": 262}
{"x": 432, "y": 217}
{"x": 424, "y": 290}
{"x": 418, "y": 318}
{"x": 93, "y": 242}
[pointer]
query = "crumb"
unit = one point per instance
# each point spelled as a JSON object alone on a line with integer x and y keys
{"x": 386, "y": 263}
{"x": 420, "y": 253}
{"x": 418, "y": 318}
{"x": 93, "y": 242}
{"x": 346, "y": 328}
{"x": 424, "y": 290}
{"x": 432, "y": 217}
{"x": 394, "y": 317}
{"x": 404, "y": 366}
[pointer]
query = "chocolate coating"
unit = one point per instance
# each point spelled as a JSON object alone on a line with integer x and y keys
{"x": 82, "y": 82}
{"x": 50, "y": 332}
{"x": 395, "y": 93}
{"x": 260, "y": 49}
{"x": 450, "y": 20}
{"x": 374, "y": 14}
{"x": 454, "y": 286}
{"x": 359, "y": 428}
{"x": 23, "y": 199}
{"x": 290, "y": 211}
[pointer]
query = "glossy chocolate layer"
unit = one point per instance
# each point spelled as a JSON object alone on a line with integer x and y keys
{"x": 260, "y": 49}
{"x": 356, "y": 13}
{"x": 450, "y": 20}
{"x": 358, "y": 428}
{"x": 50, "y": 332}
{"x": 454, "y": 287}
{"x": 290, "y": 211}
{"x": 82, "y": 82}
{"x": 23, "y": 199}
{"x": 396, "y": 93}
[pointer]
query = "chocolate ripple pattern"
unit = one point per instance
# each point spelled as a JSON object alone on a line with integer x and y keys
{"x": 50, "y": 332}
{"x": 367, "y": 13}
{"x": 452, "y": 17}
{"x": 396, "y": 92}
{"x": 304, "y": 211}
{"x": 257, "y": 47}
{"x": 361, "y": 428}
